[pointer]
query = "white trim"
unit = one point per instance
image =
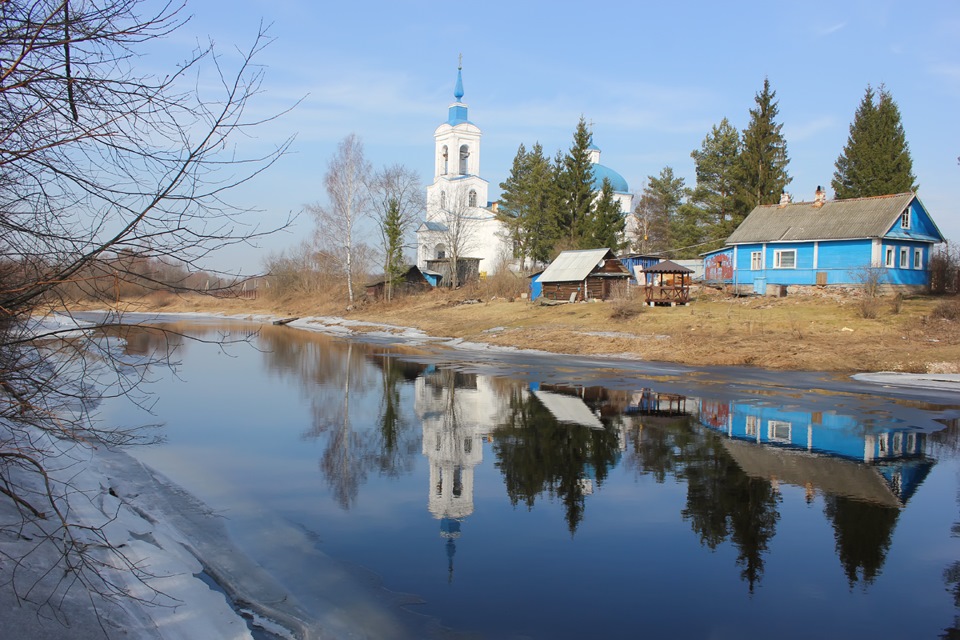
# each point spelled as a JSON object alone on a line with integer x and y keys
{"x": 904, "y": 261}
{"x": 816, "y": 254}
{"x": 876, "y": 252}
{"x": 756, "y": 260}
{"x": 773, "y": 426}
{"x": 917, "y": 258}
{"x": 778, "y": 255}
{"x": 889, "y": 256}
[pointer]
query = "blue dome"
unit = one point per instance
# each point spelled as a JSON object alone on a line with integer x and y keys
{"x": 617, "y": 181}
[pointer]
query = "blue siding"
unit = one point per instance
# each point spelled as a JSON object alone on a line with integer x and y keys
{"x": 921, "y": 226}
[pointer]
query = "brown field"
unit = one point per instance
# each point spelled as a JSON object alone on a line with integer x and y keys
{"x": 825, "y": 331}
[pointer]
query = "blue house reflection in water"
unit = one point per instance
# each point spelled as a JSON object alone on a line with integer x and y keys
{"x": 833, "y": 453}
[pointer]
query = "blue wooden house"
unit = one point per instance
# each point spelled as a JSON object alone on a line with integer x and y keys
{"x": 828, "y": 242}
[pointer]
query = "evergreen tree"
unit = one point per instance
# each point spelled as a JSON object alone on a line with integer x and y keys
{"x": 876, "y": 159}
{"x": 575, "y": 188}
{"x": 656, "y": 212}
{"x": 527, "y": 205}
{"x": 763, "y": 154}
{"x": 715, "y": 195}
{"x": 540, "y": 228}
{"x": 604, "y": 227}
{"x": 514, "y": 203}
{"x": 393, "y": 229}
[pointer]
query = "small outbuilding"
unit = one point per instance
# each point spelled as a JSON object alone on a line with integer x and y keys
{"x": 410, "y": 281}
{"x": 468, "y": 270}
{"x": 667, "y": 283}
{"x": 583, "y": 275}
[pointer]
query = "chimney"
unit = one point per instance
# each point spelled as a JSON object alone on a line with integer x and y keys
{"x": 819, "y": 197}
{"x": 784, "y": 200}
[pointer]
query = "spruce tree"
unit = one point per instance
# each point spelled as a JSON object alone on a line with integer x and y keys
{"x": 575, "y": 188}
{"x": 604, "y": 227}
{"x": 393, "y": 234}
{"x": 539, "y": 228}
{"x": 715, "y": 195}
{"x": 763, "y": 154}
{"x": 876, "y": 159}
{"x": 656, "y": 211}
{"x": 514, "y": 204}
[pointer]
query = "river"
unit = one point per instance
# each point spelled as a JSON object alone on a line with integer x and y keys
{"x": 521, "y": 495}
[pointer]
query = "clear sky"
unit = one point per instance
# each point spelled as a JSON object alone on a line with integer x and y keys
{"x": 653, "y": 78}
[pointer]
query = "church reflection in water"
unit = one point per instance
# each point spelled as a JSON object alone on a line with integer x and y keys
{"x": 562, "y": 442}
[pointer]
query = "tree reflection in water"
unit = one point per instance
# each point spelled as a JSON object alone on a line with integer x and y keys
{"x": 537, "y": 454}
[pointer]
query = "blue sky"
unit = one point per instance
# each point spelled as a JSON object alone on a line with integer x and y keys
{"x": 652, "y": 78}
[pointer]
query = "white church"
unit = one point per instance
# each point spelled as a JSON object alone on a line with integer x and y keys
{"x": 458, "y": 209}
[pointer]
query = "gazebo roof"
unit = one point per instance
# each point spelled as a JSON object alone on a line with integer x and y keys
{"x": 667, "y": 266}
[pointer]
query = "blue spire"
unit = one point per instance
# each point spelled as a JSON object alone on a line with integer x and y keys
{"x": 458, "y": 91}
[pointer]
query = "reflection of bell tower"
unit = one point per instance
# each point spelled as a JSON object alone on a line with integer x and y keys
{"x": 456, "y": 411}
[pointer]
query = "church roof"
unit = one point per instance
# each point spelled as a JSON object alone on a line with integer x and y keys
{"x": 458, "y": 110}
{"x": 617, "y": 181}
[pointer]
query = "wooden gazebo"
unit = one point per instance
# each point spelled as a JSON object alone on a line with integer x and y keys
{"x": 667, "y": 283}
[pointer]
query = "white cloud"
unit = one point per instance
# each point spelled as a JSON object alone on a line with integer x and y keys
{"x": 826, "y": 31}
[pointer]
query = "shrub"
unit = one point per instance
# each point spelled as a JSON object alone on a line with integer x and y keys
{"x": 947, "y": 310}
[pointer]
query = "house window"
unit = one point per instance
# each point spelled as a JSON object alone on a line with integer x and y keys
{"x": 751, "y": 428}
{"x": 888, "y": 257}
{"x": 785, "y": 259}
{"x": 905, "y": 219}
{"x": 904, "y": 258}
{"x": 778, "y": 431}
{"x": 918, "y": 258}
{"x": 472, "y": 198}
{"x": 756, "y": 260}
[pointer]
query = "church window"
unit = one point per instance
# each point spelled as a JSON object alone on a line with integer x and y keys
{"x": 443, "y": 199}
{"x": 464, "y": 154}
{"x": 457, "y": 481}
{"x": 446, "y": 160}
{"x": 473, "y": 198}
{"x": 441, "y": 252}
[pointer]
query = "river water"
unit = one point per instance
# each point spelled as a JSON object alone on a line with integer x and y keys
{"x": 514, "y": 495}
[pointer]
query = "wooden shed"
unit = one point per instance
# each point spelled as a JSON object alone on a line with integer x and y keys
{"x": 468, "y": 270}
{"x": 583, "y": 275}
{"x": 667, "y": 283}
{"x": 410, "y": 281}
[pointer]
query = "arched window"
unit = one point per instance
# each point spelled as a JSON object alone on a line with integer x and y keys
{"x": 472, "y": 199}
{"x": 446, "y": 160}
{"x": 443, "y": 199}
{"x": 440, "y": 251}
{"x": 464, "y": 154}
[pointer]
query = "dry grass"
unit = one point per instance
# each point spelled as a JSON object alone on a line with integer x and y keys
{"x": 825, "y": 333}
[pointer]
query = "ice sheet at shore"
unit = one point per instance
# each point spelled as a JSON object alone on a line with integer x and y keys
{"x": 175, "y": 539}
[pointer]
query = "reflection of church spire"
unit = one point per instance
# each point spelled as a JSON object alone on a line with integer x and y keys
{"x": 450, "y": 529}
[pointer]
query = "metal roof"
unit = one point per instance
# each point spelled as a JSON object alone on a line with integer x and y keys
{"x": 835, "y": 220}
{"x": 574, "y": 265}
{"x": 569, "y": 409}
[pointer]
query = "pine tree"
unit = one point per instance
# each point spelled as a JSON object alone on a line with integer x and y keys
{"x": 575, "y": 187}
{"x": 876, "y": 159}
{"x": 604, "y": 227}
{"x": 527, "y": 205}
{"x": 763, "y": 154}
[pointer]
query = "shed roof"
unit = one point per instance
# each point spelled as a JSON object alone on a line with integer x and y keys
{"x": 668, "y": 266}
{"x": 834, "y": 220}
{"x": 574, "y": 265}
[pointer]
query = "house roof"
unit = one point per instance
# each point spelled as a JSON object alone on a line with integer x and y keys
{"x": 574, "y": 265}
{"x": 835, "y": 220}
{"x": 667, "y": 266}
{"x": 381, "y": 278}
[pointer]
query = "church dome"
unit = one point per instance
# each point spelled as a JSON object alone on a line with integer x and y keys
{"x": 617, "y": 181}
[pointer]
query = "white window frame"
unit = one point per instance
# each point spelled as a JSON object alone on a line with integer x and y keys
{"x": 756, "y": 260}
{"x": 904, "y": 258}
{"x": 918, "y": 258}
{"x": 752, "y": 427}
{"x": 888, "y": 257}
{"x": 905, "y": 219}
{"x": 775, "y": 426}
{"x": 778, "y": 255}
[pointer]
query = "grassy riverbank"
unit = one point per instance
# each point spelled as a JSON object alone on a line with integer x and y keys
{"x": 826, "y": 331}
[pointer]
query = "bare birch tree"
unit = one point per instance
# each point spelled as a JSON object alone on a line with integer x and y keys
{"x": 396, "y": 199}
{"x": 461, "y": 229}
{"x": 347, "y": 183}
{"x": 97, "y": 159}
